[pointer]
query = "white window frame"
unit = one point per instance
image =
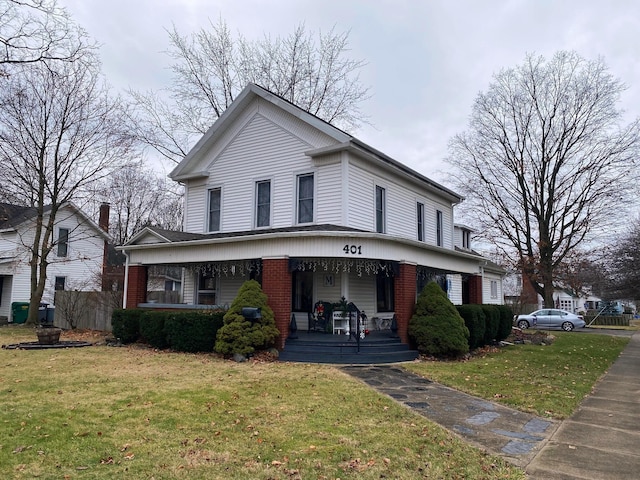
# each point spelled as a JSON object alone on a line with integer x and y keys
{"x": 494, "y": 289}
{"x": 63, "y": 241}
{"x": 209, "y": 211}
{"x": 380, "y": 209}
{"x": 439, "y": 229}
{"x": 258, "y": 205}
{"x": 420, "y": 220}
{"x": 299, "y": 200}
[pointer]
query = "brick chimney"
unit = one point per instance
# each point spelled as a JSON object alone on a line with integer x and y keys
{"x": 103, "y": 221}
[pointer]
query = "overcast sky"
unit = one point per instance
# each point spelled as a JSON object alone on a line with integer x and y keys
{"x": 426, "y": 60}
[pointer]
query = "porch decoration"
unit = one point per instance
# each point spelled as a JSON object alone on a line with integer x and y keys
{"x": 234, "y": 268}
{"x": 347, "y": 265}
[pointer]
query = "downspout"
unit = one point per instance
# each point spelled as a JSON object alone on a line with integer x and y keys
{"x": 126, "y": 279}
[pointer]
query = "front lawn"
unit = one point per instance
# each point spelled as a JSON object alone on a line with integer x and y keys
{"x": 131, "y": 412}
{"x": 549, "y": 380}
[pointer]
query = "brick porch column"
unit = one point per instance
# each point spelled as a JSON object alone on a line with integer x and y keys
{"x": 276, "y": 283}
{"x": 405, "y": 288}
{"x": 475, "y": 289}
{"x": 136, "y": 286}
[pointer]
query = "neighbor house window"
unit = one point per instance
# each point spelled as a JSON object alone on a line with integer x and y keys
{"x": 439, "y": 241}
{"x": 215, "y": 197}
{"x": 494, "y": 289}
{"x": 466, "y": 239}
{"x": 63, "y": 242}
{"x": 380, "y": 209}
{"x": 207, "y": 289}
{"x": 420, "y": 212}
{"x": 384, "y": 293}
{"x": 305, "y": 198}
{"x": 263, "y": 203}
{"x": 59, "y": 285}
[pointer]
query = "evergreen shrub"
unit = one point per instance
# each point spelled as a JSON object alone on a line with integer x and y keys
{"x": 506, "y": 322}
{"x": 492, "y": 315}
{"x": 125, "y": 324}
{"x": 152, "y": 329}
{"x": 437, "y": 328}
{"x": 242, "y": 336}
{"x": 475, "y": 320}
{"x": 192, "y": 331}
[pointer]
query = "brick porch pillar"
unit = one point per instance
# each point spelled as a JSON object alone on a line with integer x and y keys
{"x": 276, "y": 284}
{"x": 405, "y": 289}
{"x": 475, "y": 289}
{"x": 136, "y": 286}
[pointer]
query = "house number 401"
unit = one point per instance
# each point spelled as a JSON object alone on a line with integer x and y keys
{"x": 353, "y": 249}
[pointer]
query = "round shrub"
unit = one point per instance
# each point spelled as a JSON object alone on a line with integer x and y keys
{"x": 239, "y": 335}
{"x": 437, "y": 328}
{"x": 474, "y": 319}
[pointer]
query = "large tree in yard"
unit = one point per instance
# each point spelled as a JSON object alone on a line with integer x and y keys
{"x": 545, "y": 160}
{"x": 212, "y": 66}
{"x": 60, "y": 132}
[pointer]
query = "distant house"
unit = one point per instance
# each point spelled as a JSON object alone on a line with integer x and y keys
{"x": 275, "y": 194}
{"x": 76, "y": 261}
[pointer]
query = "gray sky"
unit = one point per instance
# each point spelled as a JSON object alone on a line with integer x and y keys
{"x": 426, "y": 60}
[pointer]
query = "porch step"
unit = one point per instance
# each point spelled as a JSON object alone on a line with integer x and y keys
{"x": 338, "y": 349}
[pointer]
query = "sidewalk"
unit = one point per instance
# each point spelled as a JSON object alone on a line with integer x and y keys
{"x": 600, "y": 441}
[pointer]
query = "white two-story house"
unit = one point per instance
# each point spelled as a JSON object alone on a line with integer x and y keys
{"x": 314, "y": 214}
{"x": 75, "y": 262}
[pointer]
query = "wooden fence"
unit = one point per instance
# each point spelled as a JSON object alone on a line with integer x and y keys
{"x": 85, "y": 310}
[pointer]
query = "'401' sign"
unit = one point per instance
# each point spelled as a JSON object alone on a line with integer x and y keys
{"x": 352, "y": 249}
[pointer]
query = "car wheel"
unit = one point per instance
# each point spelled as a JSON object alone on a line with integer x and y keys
{"x": 567, "y": 326}
{"x": 523, "y": 324}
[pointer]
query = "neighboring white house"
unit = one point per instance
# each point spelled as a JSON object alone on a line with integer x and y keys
{"x": 276, "y": 194}
{"x": 75, "y": 261}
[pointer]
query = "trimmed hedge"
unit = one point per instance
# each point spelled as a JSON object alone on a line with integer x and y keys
{"x": 192, "y": 331}
{"x": 152, "y": 328}
{"x": 475, "y": 320}
{"x": 492, "y": 324}
{"x": 506, "y": 322}
{"x": 126, "y": 324}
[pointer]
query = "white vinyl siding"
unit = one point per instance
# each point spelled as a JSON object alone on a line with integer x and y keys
{"x": 495, "y": 297}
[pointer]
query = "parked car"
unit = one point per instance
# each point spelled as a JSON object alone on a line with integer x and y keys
{"x": 548, "y": 318}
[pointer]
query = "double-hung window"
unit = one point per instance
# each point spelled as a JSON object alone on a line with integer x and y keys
{"x": 263, "y": 203}
{"x": 439, "y": 231}
{"x": 305, "y": 198}
{"x": 380, "y": 209}
{"x": 420, "y": 220}
{"x": 63, "y": 242}
{"x": 215, "y": 201}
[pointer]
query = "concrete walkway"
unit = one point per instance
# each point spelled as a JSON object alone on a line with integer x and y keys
{"x": 601, "y": 440}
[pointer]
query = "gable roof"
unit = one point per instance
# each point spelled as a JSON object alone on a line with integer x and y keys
{"x": 344, "y": 141}
{"x": 12, "y": 216}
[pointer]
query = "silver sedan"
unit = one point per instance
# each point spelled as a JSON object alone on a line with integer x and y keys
{"x": 548, "y": 318}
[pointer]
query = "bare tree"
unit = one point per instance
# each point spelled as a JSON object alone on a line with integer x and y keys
{"x": 621, "y": 266}
{"x": 139, "y": 197}
{"x": 545, "y": 160}
{"x": 60, "y": 131}
{"x": 38, "y": 30}
{"x": 211, "y": 67}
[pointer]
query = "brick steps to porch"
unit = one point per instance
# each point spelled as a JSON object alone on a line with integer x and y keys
{"x": 338, "y": 349}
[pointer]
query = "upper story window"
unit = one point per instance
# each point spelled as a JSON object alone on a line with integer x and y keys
{"x": 380, "y": 209}
{"x": 305, "y": 198}
{"x": 215, "y": 200}
{"x": 63, "y": 242}
{"x": 466, "y": 239}
{"x": 263, "y": 203}
{"x": 494, "y": 289}
{"x": 420, "y": 213}
{"x": 59, "y": 283}
{"x": 439, "y": 230}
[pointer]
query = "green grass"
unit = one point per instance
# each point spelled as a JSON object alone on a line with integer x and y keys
{"x": 549, "y": 380}
{"x": 106, "y": 413}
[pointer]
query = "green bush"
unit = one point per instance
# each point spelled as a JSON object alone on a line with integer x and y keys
{"x": 152, "y": 328}
{"x": 506, "y": 322}
{"x": 475, "y": 320}
{"x": 492, "y": 323}
{"x": 125, "y": 324}
{"x": 437, "y": 328}
{"x": 193, "y": 331}
{"x": 239, "y": 335}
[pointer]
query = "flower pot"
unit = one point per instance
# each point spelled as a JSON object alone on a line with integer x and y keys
{"x": 48, "y": 336}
